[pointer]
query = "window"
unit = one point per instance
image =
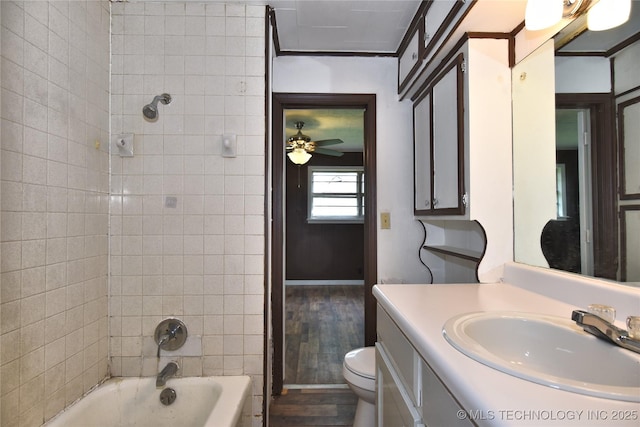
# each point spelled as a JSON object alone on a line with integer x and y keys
{"x": 336, "y": 194}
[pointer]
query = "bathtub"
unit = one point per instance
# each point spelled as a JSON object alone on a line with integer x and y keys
{"x": 128, "y": 402}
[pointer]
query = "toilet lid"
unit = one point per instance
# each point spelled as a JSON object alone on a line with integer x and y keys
{"x": 362, "y": 361}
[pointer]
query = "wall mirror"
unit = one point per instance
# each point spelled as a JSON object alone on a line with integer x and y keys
{"x": 572, "y": 210}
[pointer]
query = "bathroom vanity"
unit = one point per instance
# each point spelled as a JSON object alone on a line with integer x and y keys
{"x": 422, "y": 379}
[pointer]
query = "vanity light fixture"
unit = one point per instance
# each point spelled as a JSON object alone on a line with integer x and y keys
{"x": 606, "y": 14}
{"x": 299, "y": 156}
{"x": 601, "y": 15}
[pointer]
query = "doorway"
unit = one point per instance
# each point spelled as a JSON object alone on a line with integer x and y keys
{"x": 281, "y": 103}
{"x": 595, "y": 236}
{"x": 567, "y": 241}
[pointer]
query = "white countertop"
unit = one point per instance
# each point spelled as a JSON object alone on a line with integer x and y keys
{"x": 491, "y": 397}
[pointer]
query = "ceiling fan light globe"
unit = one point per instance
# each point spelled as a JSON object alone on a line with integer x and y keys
{"x": 298, "y": 156}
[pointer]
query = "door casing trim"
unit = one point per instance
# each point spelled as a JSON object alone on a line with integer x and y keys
{"x": 282, "y": 101}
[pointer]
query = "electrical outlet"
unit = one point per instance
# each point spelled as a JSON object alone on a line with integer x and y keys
{"x": 385, "y": 220}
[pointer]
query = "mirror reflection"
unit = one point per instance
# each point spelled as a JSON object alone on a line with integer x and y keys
{"x": 592, "y": 227}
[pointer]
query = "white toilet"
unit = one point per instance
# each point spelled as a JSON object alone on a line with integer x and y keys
{"x": 359, "y": 371}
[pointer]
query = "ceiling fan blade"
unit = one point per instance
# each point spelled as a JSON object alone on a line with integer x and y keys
{"x": 327, "y": 152}
{"x": 328, "y": 142}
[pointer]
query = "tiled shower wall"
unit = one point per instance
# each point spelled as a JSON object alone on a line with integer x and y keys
{"x": 187, "y": 225}
{"x": 54, "y": 199}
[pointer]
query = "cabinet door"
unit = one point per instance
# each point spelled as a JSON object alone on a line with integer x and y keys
{"x": 409, "y": 59}
{"x": 448, "y": 142}
{"x": 439, "y": 407}
{"x": 422, "y": 155}
{"x": 393, "y": 406}
{"x": 437, "y": 18}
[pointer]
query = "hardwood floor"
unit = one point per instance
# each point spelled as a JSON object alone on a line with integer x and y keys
{"x": 313, "y": 407}
{"x": 322, "y": 324}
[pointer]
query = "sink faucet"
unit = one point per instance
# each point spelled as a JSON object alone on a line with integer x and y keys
{"x": 169, "y": 371}
{"x": 604, "y": 330}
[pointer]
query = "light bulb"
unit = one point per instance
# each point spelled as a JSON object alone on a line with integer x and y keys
{"x": 541, "y": 14}
{"x": 607, "y": 14}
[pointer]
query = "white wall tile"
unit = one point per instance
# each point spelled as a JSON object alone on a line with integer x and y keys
{"x": 190, "y": 260}
{"x": 57, "y": 84}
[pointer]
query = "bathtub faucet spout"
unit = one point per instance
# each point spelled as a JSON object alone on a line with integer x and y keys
{"x": 169, "y": 371}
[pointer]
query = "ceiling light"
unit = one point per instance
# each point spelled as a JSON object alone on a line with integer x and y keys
{"x": 607, "y": 14}
{"x": 299, "y": 156}
{"x": 541, "y": 14}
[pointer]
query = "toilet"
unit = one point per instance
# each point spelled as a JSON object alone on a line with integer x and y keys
{"x": 359, "y": 371}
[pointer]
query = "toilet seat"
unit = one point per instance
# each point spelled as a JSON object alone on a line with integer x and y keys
{"x": 359, "y": 368}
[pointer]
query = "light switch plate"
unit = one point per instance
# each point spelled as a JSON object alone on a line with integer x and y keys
{"x": 385, "y": 220}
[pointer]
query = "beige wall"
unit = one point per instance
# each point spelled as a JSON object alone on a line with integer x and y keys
{"x": 54, "y": 194}
{"x": 201, "y": 261}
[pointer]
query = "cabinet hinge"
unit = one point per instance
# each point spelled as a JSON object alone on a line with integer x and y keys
{"x": 463, "y": 66}
{"x": 465, "y": 199}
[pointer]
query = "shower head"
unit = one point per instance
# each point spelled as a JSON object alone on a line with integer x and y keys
{"x": 150, "y": 111}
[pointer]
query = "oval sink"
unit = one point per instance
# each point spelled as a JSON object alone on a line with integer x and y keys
{"x": 547, "y": 350}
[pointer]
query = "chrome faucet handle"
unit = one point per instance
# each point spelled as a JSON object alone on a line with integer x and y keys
{"x": 170, "y": 335}
{"x": 633, "y": 327}
{"x": 606, "y": 312}
{"x": 163, "y": 340}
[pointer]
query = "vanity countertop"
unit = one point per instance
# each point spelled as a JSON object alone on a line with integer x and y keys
{"x": 491, "y": 397}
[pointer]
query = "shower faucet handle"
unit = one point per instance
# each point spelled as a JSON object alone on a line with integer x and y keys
{"x": 170, "y": 334}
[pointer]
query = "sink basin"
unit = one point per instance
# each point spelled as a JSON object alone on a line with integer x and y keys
{"x": 547, "y": 350}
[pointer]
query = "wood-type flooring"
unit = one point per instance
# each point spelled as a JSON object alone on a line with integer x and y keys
{"x": 313, "y": 407}
{"x": 322, "y": 324}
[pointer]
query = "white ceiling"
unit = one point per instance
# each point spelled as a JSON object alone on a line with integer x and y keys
{"x": 343, "y": 26}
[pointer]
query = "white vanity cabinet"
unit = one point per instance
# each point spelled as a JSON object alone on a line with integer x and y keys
{"x": 462, "y": 151}
{"x": 408, "y": 392}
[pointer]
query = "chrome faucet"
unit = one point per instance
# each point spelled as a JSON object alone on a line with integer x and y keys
{"x": 170, "y": 335}
{"x": 169, "y": 371}
{"x": 604, "y": 330}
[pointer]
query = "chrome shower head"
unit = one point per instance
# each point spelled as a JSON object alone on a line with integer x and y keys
{"x": 150, "y": 111}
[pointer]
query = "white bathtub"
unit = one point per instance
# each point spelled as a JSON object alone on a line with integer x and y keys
{"x": 128, "y": 402}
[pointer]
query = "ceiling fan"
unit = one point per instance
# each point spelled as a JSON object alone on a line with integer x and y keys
{"x": 300, "y": 146}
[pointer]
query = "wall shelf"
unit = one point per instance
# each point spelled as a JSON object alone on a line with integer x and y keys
{"x": 468, "y": 254}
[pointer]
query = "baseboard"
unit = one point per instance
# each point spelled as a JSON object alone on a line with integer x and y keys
{"x": 315, "y": 386}
{"x": 322, "y": 282}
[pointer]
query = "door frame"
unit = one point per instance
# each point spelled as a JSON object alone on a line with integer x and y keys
{"x": 284, "y": 101}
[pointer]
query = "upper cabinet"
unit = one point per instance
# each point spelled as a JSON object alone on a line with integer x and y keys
{"x": 424, "y": 33}
{"x": 437, "y": 17}
{"x": 438, "y": 119}
{"x": 409, "y": 59}
{"x": 462, "y": 148}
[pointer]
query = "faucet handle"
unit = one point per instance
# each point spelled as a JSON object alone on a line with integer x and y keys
{"x": 633, "y": 327}
{"x": 170, "y": 334}
{"x": 603, "y": 311}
